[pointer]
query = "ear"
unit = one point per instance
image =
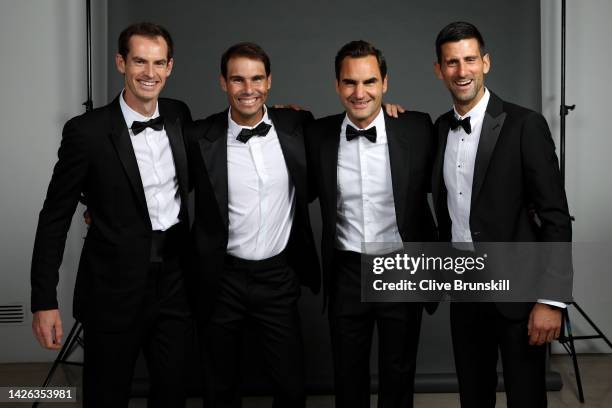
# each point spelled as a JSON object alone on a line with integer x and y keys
{"x": 120, "y": 63}
{"x": 384, "y": 84}
{"x": 438, "y": 70}
{"x": 169, "y": 67}
{"x": 223, "y": 83}
{"x": 486, "y": 63}
{"x": 337, "y": 85}
{"x": 269, "y": 81}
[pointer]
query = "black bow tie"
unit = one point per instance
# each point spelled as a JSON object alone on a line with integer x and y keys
{"x": 464, "y": 123}
{"x": 369, "y": 134}
{"x": 260, "y": 130}
{"x": 155, "y": 124}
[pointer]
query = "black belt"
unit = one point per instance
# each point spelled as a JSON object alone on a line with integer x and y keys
{"x": 166, "y": 244}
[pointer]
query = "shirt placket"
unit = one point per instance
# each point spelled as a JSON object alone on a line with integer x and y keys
{"x": 262, "y": 177}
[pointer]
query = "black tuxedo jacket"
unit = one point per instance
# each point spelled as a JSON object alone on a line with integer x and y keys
{"x": 207, "y": 152}
{"x": 411, "y": 150}
{"x": 96, "y": 159}
{"x": 516, "y": 172}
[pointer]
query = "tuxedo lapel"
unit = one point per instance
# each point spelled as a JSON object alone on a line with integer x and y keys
{"x": 329, "y": 164}
{"x": 438, "y": 166}
{"x": 399, "y": 160}
{"x": 293, "y": 150}
{"x": 120, "y": 137}
{"x": 491, "y": 127}
{"x": 213, "y": 148}
{"x": 175, "y": 137}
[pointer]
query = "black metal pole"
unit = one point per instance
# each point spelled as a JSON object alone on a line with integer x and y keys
{"x": 89, "y": 102}
{"x": 563, "y": 112}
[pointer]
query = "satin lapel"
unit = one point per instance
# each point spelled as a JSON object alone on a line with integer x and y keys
{"x": 293, "y": 150}
{"x": 120, "y": 137}
{"x": 175, "y": 137}
{"x": 491, "y": 127}
{"x": 213, "y": 147}
{"x": 399, "y": 160}
{"x": 438, "y": 166}
{"x": 329, "y": 164}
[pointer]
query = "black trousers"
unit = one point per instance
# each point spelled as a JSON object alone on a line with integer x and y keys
{"x": 162, "y": 334}
{"x": 352, "y": 324}
{"x": 265, "y": 293}
{"x": 480, "y": 332}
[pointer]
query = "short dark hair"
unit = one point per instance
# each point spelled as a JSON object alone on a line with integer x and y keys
{"x": 457, "y": 31}
{"x": 359, "y": 49}
{"x": 245, "y": 49}
{"x": 144, "y": 29}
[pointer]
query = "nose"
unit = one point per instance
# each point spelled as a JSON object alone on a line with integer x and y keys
{"x": 462, "y": 69}
{"x": 359, "y": 91}
{"x": 150, "y": 70}
{"x": 248, "y": 87}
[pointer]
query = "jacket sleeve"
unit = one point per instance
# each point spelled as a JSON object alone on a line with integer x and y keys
{"x": 55, "y": 217}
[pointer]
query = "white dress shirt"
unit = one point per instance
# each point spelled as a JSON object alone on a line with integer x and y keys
{"x": 459, "y": 161}
{"x": 156, "y": 167}
{"x": 261, "y": 196}
{"x": 365, "y": 205}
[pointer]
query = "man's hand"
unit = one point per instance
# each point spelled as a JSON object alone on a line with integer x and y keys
{"x": 393, "y": 110}
{"x": 47, "y": 328}
{"x": 544, "y": 324}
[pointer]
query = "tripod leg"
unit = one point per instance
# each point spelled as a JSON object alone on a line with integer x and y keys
{"x": 72, "y": 336}
{"x": 570, "y": 340}
{"x": 593, "y": 325}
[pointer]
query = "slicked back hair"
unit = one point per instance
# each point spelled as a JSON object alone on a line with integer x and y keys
{"x": 360, "y": 49}
{"x": 248, "y": 50}
{"x": 457, "y": 31}
{"x": 145, "y": 29}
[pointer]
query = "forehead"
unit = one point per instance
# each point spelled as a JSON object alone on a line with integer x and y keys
{"x": 362, "y": 67}
{"x": 141, "y": 46}
{"x": 244, "y": 66}
{"x": 461, "y": 48}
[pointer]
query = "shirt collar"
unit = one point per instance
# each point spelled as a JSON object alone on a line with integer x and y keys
{"x": 234, "y": 128}
{"x": 130, "y": 115}
{"x": 478, "y": 111}
{"x": 379, "y": 122}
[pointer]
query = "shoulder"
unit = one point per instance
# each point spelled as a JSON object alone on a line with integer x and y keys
{"x": 290, "y": 119}
{"x": 176, "y": 108}
{"x": 97, "y": 119}
{"x": 200, "y": 127}
{"x": 412, "y": 117}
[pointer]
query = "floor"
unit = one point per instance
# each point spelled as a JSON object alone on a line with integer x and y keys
{"x": 596, "y": 370}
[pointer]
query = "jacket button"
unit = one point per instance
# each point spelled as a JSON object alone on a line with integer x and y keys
{"x": 476, "y": 233}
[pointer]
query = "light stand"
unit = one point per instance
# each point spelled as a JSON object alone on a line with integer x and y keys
{"x": 567, "y": 338}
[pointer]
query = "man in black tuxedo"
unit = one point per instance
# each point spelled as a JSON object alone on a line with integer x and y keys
{"x": 371, "y": 173}
{"x": 128, "y": 159}
{"x": 496, "y": 161}
{"x": 252, "y": 229}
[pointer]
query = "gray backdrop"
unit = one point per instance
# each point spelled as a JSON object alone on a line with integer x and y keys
{"x": 302, "y": 39}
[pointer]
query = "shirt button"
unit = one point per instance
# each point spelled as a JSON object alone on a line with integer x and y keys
{"x": 460, "y": 193}
{"x": 462, "y": 139}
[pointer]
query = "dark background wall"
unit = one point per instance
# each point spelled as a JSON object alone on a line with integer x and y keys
{"x": 302, "y": 39}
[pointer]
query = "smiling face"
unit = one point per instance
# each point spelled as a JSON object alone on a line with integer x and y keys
{"x": 462, "y": 68}
{"x": 361, "y": 88}
{"x": 247, "y": 87}
{"x": 145, "y": 69}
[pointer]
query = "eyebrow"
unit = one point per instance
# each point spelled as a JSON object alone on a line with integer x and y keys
{"x": 349, "y": 81}
{"x": 253, "y": 78}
